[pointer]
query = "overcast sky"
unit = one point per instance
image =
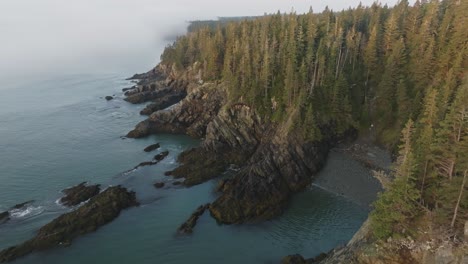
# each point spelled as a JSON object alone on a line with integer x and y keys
{"x": 80, "y": 36}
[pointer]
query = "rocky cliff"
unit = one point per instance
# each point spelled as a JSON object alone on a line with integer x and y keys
{"x": 274, "y": 160}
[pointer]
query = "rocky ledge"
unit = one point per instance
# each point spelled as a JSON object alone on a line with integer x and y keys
{"x": 99, "y": 211}
{"x": 187, "y": 226}
{"x": 79, "y": 193}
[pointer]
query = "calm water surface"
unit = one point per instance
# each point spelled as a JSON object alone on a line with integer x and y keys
{"x": 58, "y": 132}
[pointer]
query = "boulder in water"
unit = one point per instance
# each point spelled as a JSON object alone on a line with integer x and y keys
{"x": 161, "y": 155}
{"x": 79, "y": 193}
{"x": 108, "y": 98}
{"x": 159, "y": 185}
{"x": 152, "y": 147}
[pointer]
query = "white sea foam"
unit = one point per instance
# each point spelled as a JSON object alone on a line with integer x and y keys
{"x": 57, "y": 202}
{"x": 27, "y": 212}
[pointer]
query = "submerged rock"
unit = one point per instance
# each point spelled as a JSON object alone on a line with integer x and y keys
{"x": 108, "y": 98}
{"x": 152, "y": 147}
{"x": 177, "y": 183}
{"x": 99, "y": 211}
{"x": 293, "y": 259}
{"x": 21, "y": 205}
{"x": 79, "y": 193}
{"x": 4, "y": 216}
{"x": 187, "y": 226}
{"x": 159, "y": 185}
{"x": 161, "y": 155}
{"x": 146, "y": 163}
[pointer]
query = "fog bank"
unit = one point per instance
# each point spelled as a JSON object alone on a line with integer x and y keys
{"x": 108, "y": 36}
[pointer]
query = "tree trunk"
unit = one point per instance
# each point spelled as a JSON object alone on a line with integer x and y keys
{"x": 424, "y": 180}
{"x": 460, "y": 195}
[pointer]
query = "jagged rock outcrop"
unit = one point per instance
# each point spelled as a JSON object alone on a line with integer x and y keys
{"x": 187, "y": 226}
{"x": 190, "y": 116}
{"x": 231, "y": 138}
{"x": 99, "y": 211}
{"x": 79, "y": 193}
{"x": 275, "y": 171}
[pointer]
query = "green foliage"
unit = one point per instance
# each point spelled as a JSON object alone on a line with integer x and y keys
{"x": 397, "y": 206}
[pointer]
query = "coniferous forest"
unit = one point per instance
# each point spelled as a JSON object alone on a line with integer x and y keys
{"x": 398, "y": 75}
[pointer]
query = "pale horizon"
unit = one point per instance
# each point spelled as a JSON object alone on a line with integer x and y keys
{"x": 57, "y": 37}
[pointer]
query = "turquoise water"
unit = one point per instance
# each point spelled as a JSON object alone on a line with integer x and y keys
{"x": 58, "y": 132}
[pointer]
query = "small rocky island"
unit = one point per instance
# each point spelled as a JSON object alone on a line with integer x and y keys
{"x": 100, "y": 210}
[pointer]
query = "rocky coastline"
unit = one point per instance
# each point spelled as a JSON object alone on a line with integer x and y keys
{"x": 275, "y": 162}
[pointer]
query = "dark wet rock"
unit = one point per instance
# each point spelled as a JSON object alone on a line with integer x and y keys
{"x": 128, "y": 89}
{"x": 156, "y": 160}
{"x": 100, "y": 210}
{"x": 79, "y": 193}
{"x": 159, "y": 185}
{"x": 168, "y": 173}
{"x": 146, "y": 163}
{"x": 177, "y": 183}
{"x": 261, "y": 190}
{"x": 152, "y": 147}
{"x": 161, "y": 155}
{"x": 21, "y": 205}
{"x": 293, "y": 259}
{"x": 4, "y": 216}
{"x": 108, "y": 98}
{"x": 137, "y": 76}
{"x": 200, "y": 165}
{"x": 187, "y": 226}
{"x": 137, "y": 97}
